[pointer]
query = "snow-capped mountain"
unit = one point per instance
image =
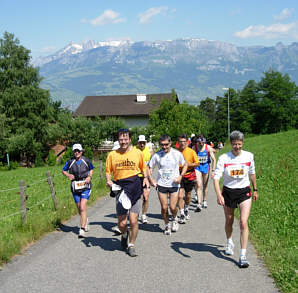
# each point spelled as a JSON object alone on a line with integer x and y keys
{"x": 196, "y": 68}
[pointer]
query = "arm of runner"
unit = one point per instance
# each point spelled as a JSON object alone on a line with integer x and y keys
{"x": 253, "y": 180}
{"x": 69, "y": 176}
{"x": 151, "y": 180}
{"x": 211, "y": 152}
{"x": 184, "y": 169}
{"x": 109, "y": 180}
{"x": 220, "y": 198}
{"x": 89, "y": 178}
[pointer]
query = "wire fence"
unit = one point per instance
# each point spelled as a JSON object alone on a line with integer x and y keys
{"x": 29, "y": 197}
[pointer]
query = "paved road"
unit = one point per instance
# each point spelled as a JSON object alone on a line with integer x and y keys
{"x": 190, "y": 260}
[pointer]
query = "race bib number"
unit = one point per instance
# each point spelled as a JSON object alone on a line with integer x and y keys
{"x": 203, "y": 159}
{"x": 80, "y": 185}
{"x": 237, "y": 171}
{"x": 166, "y": 174}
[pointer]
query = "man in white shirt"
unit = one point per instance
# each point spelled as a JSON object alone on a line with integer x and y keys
{"x": 238, "y": 168}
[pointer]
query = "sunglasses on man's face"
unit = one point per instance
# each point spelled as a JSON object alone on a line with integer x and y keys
{"x": 164, "y": 144}
{"x": 76, "y": 151}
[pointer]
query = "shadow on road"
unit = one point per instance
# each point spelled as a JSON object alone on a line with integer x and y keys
{"x": 150, "y": 227}
{"x": 109, "y": 244}
{"x": 64, "y": 228}
{"x": 212, "y": 248}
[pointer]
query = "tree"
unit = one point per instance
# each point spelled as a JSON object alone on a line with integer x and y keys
{"x": 26, "y": 106}
{"x": 278, "y": 103}
{"x": 173, "y": 119}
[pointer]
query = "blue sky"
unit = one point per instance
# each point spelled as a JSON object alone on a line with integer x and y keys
{"x": 45, "y": 26}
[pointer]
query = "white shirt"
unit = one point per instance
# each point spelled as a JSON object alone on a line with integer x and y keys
{"x": 236, "y": 169}
{"x": 168, "y": 166}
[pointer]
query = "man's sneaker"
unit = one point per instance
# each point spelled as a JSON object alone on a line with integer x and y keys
{"x": 175, "y": 226}
{"x": 205, "y": 204}
{"x": 182, "y": 219}
{"x": 116, "y": 230}
{"x": 87, "y": 228}
{"x": 124, "y": 240}
{"x": 198, "y": 208}
{"x": 131, "y": 251}
{"x": 82, "y": 233}
{"x": 229, "y": 248}
{"x": 187, "y": 215}
{"x": 144, "y": 219}
{"x": 243, "y": 262}
{"x": 167, "y": 230}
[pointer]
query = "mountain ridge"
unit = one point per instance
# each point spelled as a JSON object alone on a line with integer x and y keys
{"x": 195, "y": 67}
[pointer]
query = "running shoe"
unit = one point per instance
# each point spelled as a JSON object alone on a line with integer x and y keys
{"x": 116, "y": 230}
{"x": 175, "y": 226}
{"x": 195, "y": 199}
{"x": 205, "y": 204}
{"x": 229, "y": 249}
{"x": 144, "y": 219}
{"x": 186, "y": 213}
{"x": 167, "y": 230}
{"x": 82, "y": 233}
{"x": 131, "y": 251}
{"x": 199, "y": 208}
{"x": 87, "y": 228}
{"x": 243, "y": 262}
{"x": 124, "y": 240}
{"x": 182, "y": 219}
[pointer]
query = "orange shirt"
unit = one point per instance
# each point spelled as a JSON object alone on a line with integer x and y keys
{"x": 190, "y": 156}
{"x": 125, "y": 165}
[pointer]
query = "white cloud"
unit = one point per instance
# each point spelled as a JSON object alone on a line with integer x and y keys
{"x": 285, "y": 13}
{"x": 273, "y": 31}
{"x": 107, "y": 17}
{"x": 149, "y": 13}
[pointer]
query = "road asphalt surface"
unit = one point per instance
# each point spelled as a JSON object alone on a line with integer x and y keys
{"x": 190, "y": 260}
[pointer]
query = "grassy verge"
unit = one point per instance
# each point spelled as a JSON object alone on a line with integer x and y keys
{"x": 41, "y": 215}
{"x": 274, "y": 219}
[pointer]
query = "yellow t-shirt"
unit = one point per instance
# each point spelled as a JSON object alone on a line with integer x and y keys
{"x": 125, "y": 165}
{"x": 190, "y": 156}
{"x": 146, "y": 153}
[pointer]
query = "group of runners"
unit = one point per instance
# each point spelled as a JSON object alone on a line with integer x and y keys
{"x": 129, "y": 174}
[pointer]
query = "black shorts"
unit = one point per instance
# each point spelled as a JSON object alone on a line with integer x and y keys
{"x": 163, "y": 189}
{"x": 187, "y": 185}
{"x": 234, "y": 196}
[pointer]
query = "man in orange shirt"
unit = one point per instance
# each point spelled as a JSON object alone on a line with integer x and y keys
{"x": 125, "y": 164}
{"x": 188, "y": 180}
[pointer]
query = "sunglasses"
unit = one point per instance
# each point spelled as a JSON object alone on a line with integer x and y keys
{"x": 77, "y": 151}
{"x": 164, "y": 144}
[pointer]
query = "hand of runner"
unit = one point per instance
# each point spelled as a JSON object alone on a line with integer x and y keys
{"x": 255, "y": 196}
{"x": 153, "y": 183}
{"x": 71, "y": 177}
{"x": 146, "y": 183}
{"x": 178, "y": 179}
{"x": 220, "y": 200}
{"x": 109, "y": 183}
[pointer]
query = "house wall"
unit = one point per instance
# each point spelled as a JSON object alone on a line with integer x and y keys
{"x": 136, "y": 121}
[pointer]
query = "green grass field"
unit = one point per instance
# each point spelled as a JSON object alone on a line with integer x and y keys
{"x": 41, "y": 214}
{"x": 273, "y": 221}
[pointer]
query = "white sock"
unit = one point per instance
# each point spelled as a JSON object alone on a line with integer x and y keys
{"x": 130, "y": 244}
{"x": 186, "y": 207}
{"x": 242, "y": 252}
{"x": 182, "y": 212}
{"x": 230, "y": 241}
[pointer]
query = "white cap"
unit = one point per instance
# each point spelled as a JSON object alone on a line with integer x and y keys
{"x": 192, "y": 135}
{"x": 77, "y": 146}
{"x": 142, "y": 138}
{"x": 116, "y": 145}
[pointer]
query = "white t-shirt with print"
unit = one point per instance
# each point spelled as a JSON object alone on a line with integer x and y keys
{"x": 236, "y": 169}
{"x": 168, "y": 166}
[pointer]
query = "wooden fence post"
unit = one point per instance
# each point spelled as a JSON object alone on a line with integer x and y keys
{"x": 23, "y": 200}
{"x": 53, "y": 193}
{"x": 100, "y": 169}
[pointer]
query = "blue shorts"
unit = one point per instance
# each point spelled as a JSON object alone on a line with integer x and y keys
{"x": 203, "y": 168}
{"x": 78, "y": 196}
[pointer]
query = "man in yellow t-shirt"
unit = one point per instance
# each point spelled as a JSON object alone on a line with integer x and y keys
{"x": 142, "y": 146}
{"x": 188, "y": 180}
{"x": 125, "y": 164}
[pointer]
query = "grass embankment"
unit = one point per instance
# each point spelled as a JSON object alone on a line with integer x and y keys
{"x": 41, "y": 215}
{"x": 274, "y": 219}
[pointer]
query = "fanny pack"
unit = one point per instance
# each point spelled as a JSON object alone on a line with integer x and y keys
{"x": 191, "y": 175}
